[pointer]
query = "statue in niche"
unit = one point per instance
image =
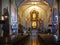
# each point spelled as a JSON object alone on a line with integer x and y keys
{"x": 34, "y": 16}
{"x": 6, "y": 21}
{"x": 5, "y": 24}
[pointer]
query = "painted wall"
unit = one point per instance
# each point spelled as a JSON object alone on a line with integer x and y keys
{"x": 18, "y": 2}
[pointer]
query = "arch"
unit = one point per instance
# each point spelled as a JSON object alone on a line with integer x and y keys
{"x": 23, "y": 9}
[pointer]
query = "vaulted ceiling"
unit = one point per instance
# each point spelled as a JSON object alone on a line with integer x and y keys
{"x": 42, "y": 7}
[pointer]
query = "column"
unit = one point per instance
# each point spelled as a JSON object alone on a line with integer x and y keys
{"x": 55, "y": 18}
{"x": 58, "y": 1}
{"x": 0, "y": 14}
{"x": 13, "y": 18}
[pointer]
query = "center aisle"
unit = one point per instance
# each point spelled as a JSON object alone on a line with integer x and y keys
{"x": 33, "y": 39}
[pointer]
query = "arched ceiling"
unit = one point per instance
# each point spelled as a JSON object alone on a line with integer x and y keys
{"x": 25, "y": 9}
{"x": 50, "y": 2}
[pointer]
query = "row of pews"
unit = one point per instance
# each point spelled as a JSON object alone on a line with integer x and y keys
{"x": 20, "y": 40}
{"x": 47, "y": 40}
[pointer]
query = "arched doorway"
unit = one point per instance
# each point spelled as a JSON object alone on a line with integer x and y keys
{"x": 34, "y": 15}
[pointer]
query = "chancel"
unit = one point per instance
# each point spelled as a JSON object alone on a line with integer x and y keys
{"x": 29, "y": 22}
